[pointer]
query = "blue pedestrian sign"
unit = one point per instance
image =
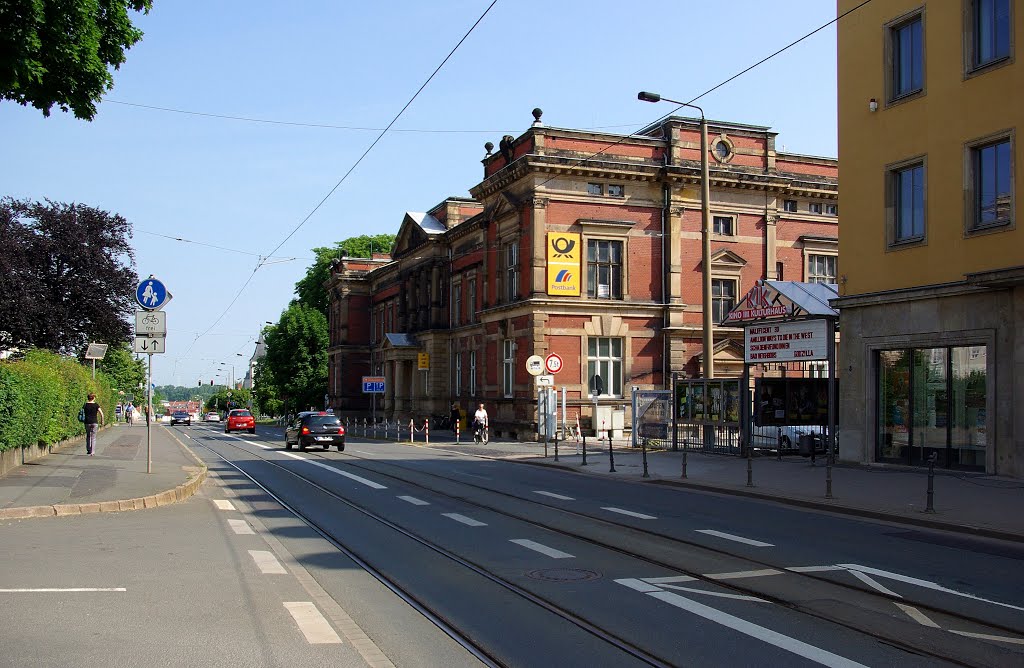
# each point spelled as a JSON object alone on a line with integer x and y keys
{"x": 151, "y": 294}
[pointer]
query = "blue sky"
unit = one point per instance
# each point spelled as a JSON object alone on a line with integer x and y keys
{"x": 246, "y": 185}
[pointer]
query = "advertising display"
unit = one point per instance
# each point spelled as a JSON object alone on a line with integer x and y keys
{"x": 563, "y": 259}
{"x": 791, "y": 401}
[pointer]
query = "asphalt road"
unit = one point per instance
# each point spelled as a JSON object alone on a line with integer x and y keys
{"x": 533, "y": 566}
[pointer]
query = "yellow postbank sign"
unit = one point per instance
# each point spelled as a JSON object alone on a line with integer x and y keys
{"x": 564, "y": 264}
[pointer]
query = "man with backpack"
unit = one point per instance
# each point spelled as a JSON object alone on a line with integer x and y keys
{"x": 92, "y": 415}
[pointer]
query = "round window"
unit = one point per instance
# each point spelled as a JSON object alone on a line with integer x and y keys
{"x": 722, "y": 150}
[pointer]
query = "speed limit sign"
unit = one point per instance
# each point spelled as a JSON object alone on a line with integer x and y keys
{"x": 553, "y": 363}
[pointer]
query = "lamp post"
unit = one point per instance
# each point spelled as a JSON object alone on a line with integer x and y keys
{"x": 705, "y": 231}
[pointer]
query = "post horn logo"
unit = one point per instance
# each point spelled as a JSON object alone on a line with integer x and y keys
{"x": 563, "y": 246}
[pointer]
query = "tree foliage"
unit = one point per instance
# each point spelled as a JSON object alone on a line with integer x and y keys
{"x": 297, "y": 357}
{"x": 220, "y": 401}
{"x": 309, "y": 289}
{"x": 265, "y": 393}
{"x": 67, "y": 276}
{"x": 126, "y": 372}
{"x": 59, "y": 52}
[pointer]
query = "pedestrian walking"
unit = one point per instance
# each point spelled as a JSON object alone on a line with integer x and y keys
{"x": 454, "y": 417}
{"x": 93, "y": 418}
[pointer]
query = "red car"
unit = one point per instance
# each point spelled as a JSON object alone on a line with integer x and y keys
{"x": 239, "y": 419}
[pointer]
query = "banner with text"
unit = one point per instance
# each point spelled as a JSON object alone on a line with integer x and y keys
{"x": 786, "y": 341}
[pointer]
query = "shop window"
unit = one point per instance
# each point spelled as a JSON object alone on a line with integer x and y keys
{"x": 604, "y": 366}
{"x": 723, "y": 298}
{"x": 604, "y": 269}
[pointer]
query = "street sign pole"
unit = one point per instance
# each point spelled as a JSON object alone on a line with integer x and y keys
{"x": 149, "y": 417}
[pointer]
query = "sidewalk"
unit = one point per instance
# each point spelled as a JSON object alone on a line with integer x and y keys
{"x": 978, "y": 504}
{"x": 69, "y": 482}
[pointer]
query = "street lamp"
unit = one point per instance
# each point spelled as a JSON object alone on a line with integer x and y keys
{"x": 705, "y": 214}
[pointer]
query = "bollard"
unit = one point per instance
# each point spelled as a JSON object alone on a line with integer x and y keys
{"x": 457, "y": 422}
{"x": 584, "y": 436}
{"x": 930, "y": 507}
{"x": 643, "y": 452}
{"x": 828, "y": 469}
{"x": 426, "y": 430}
{"x": 750, "y": 466}
{"x": 611, "y": 453}
{"x": 412, "y": 431}
{"x": 684, "y": 461}
{"x": 556, "y": 446}
{"x": 778, "y": 447}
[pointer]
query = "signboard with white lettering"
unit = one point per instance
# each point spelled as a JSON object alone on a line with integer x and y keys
{"x": 373, "y": 384}
{"x": 786, "y": 341}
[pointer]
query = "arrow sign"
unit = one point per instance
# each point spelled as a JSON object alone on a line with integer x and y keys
{"x": 147, "y": 345}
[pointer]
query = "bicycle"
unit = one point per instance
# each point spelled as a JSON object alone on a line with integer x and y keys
{"x": 480, "y": 434}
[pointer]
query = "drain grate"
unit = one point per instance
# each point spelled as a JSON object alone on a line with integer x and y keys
{"x": 564, "y": 575}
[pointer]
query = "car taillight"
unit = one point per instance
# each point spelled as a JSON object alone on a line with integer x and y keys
{"x": 305, "y": 430}
{"x": 341, "y": 430}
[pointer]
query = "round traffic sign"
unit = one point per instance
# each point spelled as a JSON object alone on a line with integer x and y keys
{"x": 151, "y": 293}
{"x": 553, "y": 363}
{"x": 535, "y": 365}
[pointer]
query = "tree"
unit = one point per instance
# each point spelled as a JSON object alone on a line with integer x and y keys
{"x": 126, "y": 372}
{"x": 240, "y": 398}
{"x": 61, "y": 51}
{"x": 67, "y": 276}
{"x": 310, "y": 288}
{"x": 264, "y": 391}
{"x": 297, "y": 356}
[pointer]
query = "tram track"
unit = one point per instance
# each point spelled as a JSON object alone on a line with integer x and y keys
{"x": 630, "y": 545}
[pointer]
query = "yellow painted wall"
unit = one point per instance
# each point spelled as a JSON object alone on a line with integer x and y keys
{"x": 954, "y": 110}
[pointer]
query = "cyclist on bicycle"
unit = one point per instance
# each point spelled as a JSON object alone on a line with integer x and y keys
{"x": 129, "y": 413}
{"x": 480, "y": 424}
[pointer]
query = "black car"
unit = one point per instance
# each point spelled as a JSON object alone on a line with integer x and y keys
{"x": 318, "y": 428}
{"x": 180, "y": 417}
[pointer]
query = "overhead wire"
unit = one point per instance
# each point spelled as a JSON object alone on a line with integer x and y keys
{"x": 261, "y": 261}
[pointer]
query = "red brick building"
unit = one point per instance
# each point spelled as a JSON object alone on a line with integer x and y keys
{"x": 586, "y": 244}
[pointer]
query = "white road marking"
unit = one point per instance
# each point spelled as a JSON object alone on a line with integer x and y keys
{"x": 312, "y": 623}
{"x": 267, "y": 562}
{"x": 739, "y": 575}
{"x": 543, "y": 549}
{"x": 738, "y": 539}
{"x": 923, "y": 583}
{"x": 985, "y": 636}
{"x": 364, "y": 481}
{"x": 241, "y": 527}
{"x": 482, "y": 477}
{"x": 871, "y": 582}
{"x": 814, "y": 569}
{"x": 917, "y": 615}
{"x": 363, "y": 452}
{"x": 553, "y": 495}
{"x": 717, "y": 594}
{"x": 67, "y": 589}
{"x": 414, "y": 501}
{"x": 641, "y": 585}
{"x": 469, "y": 521}
{"x": 761, "y": 633}
{"x": 223, "y": 504}
{"x": 670, "y": 579}
{"x": 630, "y": 513}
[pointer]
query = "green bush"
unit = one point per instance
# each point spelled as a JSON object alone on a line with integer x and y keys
{"x": 40, "y": 397}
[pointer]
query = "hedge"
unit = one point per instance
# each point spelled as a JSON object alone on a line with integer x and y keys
{"x": 40, "y": 397}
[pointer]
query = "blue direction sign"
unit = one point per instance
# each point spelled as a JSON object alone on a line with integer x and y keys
{"x": 373, "y": 384}
{"x": 151, "y": 294}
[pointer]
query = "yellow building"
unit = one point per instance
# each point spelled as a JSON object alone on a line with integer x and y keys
{"x": 932, "y": 282}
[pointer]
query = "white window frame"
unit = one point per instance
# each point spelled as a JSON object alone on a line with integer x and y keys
{"x": 595, "y": 189}
{"x": 816, "y": 208}
{"x": 812, "y": 265}
{"x": 731, "y": 222}
{"x": 458, "y": 374}
{"x": 593, "y": 291}
{"x": 609, "y": 366}
{"x": 472, "y": 373}
{"x": 735, "y": 287}
{"x": 511, "y": 271}
{"x": 621, "y": 188}
{"x": 789, "y": 205}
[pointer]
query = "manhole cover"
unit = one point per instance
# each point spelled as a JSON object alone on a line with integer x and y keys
{"x": 564, "y": 575}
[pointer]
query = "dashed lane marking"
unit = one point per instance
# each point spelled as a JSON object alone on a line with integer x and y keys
{"x": 312, "y": 623}
{"x": 738, "y": 539}
{"x": 553, "y": 495}
{"x": 630, "y": 513}
{"x": 468, "y": 521}
{"x": 267, "y": 562}
{"x": 241, "y": 527}
{"x": 352, "y": 476}
{"x": 543, "y": 549}
{"x": 414, "y": 501}
{"x": 223, "y": 504}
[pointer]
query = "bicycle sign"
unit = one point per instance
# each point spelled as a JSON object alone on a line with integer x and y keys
{"x": 151, "y": 324}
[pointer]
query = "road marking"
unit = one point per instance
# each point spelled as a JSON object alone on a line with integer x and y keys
{"x": 630, "y": 513}
{"x": 779, "y": 640}
{"x": 312, "y": 623}
{"x": 738, "y": 539}
{"x": 717, "y": 594}
{"x": 241, "y": 527}
{"x": 543, "y": 549}
{"x": 670, "y": 579}
{"x": 917, "y": 615}
{"x": 469, "y": 521}
{"x": 363, "y": 452}
{"x": 414, "y": 501}
{"x": 553, "y": 495}
{"x": 642, "y": 585}
{"x": 985, "y": 636}
{"x": 922, "y": 583}
{"x": 223, "y": 504}
{"x": 871, "y": 582}
{"x": 267, "y": 562}
{"x": 814, "y": 569}
{"x": 739, "y": 575}
{"x": 482, "y": 477}
{"x": 67, "y": 589}
{"x": 364, "y": 481}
